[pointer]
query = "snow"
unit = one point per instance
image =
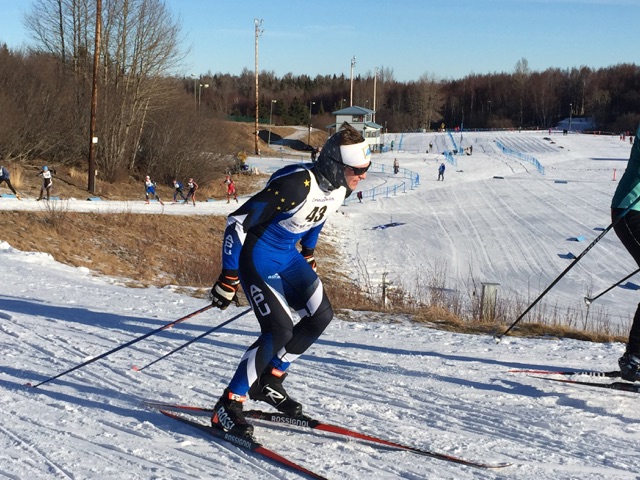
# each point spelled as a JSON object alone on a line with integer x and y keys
{"x": 381, "y": 374}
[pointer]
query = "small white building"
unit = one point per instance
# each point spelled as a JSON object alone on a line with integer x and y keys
{"x": 362, "y": 120}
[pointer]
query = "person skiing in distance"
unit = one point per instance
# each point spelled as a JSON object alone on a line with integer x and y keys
{"x": 150, "y": 190}
{"x": 191, "y": 194}
{"x": 5, "y": 177}
{"x": 47, "y": 182}
{"x": 628, "y": 231}
{"x": 441, "y": 169}
{"x": 396, "y": 166}
{"x": 259, "y": 253}
{"x": 178, "y": 191}
{"x": 231, "y": 189}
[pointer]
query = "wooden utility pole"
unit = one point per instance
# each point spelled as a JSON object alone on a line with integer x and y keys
{"x": 93, "y": 140}
{"x": 258, "y": 24}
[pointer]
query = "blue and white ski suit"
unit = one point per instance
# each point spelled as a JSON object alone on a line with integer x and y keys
{"x": 260, "y": 244}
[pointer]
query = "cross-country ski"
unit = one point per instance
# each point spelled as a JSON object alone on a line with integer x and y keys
{"x": 311, "y": 423}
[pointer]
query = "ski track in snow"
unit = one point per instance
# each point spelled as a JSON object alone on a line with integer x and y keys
{"x": 382, "y": 375}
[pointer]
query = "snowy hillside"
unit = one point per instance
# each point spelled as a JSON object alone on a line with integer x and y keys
{"x": 382, "y": 375}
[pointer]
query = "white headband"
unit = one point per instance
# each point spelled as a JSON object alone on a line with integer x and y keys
{"x": 355, "y": 155}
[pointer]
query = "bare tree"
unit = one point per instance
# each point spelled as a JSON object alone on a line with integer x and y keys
{"x": 521, "y": 76}
{"x": 34, "y": 105}
{"x": 62, "y": 28}
{"x": 427, "y": 101}
{"x": 140, "y": 47}
{"x": 545, "y": 87}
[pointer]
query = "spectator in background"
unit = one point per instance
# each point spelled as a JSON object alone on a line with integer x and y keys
{"x": 396, "y": 166}
{"x": 441, "y": 170}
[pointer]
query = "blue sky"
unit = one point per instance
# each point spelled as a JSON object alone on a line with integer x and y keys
{"x": 447, "y": 39}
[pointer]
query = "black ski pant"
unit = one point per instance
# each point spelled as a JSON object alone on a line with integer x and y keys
{"x": 8, "y": 182}
{"x": 628, "y": 231}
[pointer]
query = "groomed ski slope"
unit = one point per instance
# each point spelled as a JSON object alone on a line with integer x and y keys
{"x": 377, "y": 373}
{"x": 517, "y": 230}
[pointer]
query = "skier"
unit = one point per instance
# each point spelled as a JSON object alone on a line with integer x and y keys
{"x": 259, "y": 253}
{"x": 628, "y": 231}
{"x": 178, "y": 191}
{"x": 150, "y": 190}
{"x": 47, "y": 181}
{"x": 231, "y": 189}
{"x": 191, "y": 194}
{"x": 5, "y": 177}
{"x": 396, "y": 166}
{"x": 441, "y": 169}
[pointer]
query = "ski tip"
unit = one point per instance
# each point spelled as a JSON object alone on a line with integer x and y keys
{"x": 499, "y": 465}
{"x": 171, "y": 415}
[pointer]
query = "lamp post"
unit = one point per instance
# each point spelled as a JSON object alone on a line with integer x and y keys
{"x": 270, "y": 116}
{"x": 309, "y": 136}
{"x": 201, "y": 86}
{"x": 353, "y": 64}
{"x": 375, "y": 81}
{"x": 342, "y": 102}
{"x": 570, "y": 114}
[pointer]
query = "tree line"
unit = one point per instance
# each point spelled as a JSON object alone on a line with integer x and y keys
{"x": 519, "y": 99}
{"x": 149, "y": 120}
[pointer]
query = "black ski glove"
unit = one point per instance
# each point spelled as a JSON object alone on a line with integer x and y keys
{"x": 225, "y": 289}
{"x": 307, "y": 253}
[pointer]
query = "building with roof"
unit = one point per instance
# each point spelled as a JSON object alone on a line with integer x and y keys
{"x": 362, "y": 120}
{"x": 577, "y": 124}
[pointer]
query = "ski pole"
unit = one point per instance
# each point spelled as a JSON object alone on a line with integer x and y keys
{"x": 128, "y": 344}
{"x": 588, "y": 300}
{"x": 211, "y": 330}
{"x": 497, "y": 338}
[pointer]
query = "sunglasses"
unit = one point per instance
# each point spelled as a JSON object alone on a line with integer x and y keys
{"x": 359, "y": 170}
{"x": 355, "y": 170}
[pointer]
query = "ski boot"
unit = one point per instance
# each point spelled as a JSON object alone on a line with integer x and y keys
{"x": 630, "y": 367}
{"x": 228, "y": 416}
{"x": 268, "y": 388}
